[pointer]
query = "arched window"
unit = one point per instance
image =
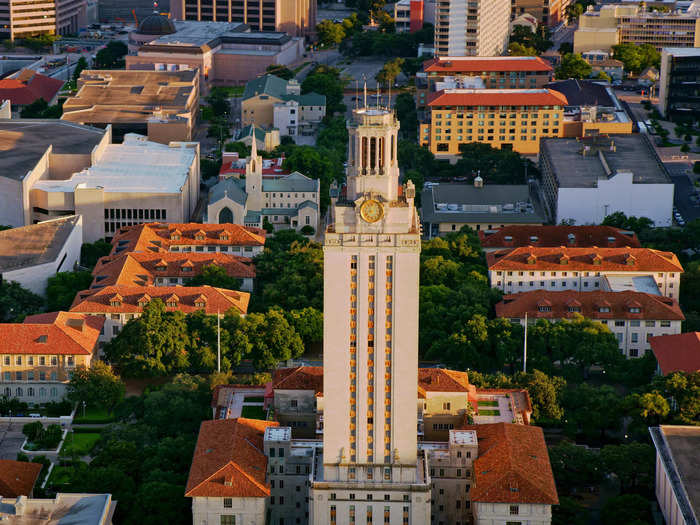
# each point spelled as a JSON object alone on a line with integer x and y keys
{"x": 225, "y": 216}
{"x": 54, "y": 392}
{"x": 30, "y": 392}
{"x": 8, "y": 391}
{"x": 42, "y": 392}
{"x": 19, "y": 391}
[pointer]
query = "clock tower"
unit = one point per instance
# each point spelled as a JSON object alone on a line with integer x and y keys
{"x": 370, "y": 371}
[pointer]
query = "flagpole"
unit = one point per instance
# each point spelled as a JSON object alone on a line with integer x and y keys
{"x": 525, "y": 346}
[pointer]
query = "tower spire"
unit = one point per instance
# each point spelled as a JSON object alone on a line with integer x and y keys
{"x": 365, "y": 92}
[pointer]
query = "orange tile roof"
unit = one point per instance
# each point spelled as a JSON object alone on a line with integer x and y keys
{"x": 481, "y": 64}
{"x": 156, "y": 237}
{"x": 442, "y": 380}
{"x": 513, "y": 465}
{"x": 29, "y": 87}
{"x": 141, "y": 269}
{"x": 229, "y": 460}
{"x": 496, "y": 97}
{"x": 64, "y": 333}
{"x": 299, "y": 378}
{"x": 611, "y": 259}
{"x": 583, "y": 236}
{"x": 17, "y": 478}
{"x": 588, "y": 305}
{"x": 677, "y": 353}
{"x": 131, "y": 299}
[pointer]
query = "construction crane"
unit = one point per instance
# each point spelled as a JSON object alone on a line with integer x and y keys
{"x": 133, "y": 12}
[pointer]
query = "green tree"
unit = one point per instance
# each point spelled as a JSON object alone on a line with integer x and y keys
{"x": 41, "y": 109}
{"x": 308, "y": 323}
{"x": 280, "y": 71}
{"x": 330, "y": 33}
{"x": 632, "y": 463}
{"x": 573, "y": 11}
{"x": 539, "y": 41}
{"x": 16, "y": 302}
{"x": 591, "y": 410}
{"x": 405, "y": 107}
{"x": 390, "y": 70}
{"x": 602, "y": 75}
{"x": 111, "y": 56}
{"x": 635, "y": 57}
{"x": 272, "y": 338}
{"x": 517, "y": 49}
{"x": 80, "y": 66}
{"x": 651, "y": 407}
{"x": 165, "y": 501}
{"x": 566, "y": 48}
{"x": 241, "y": 148}
{"x": 63, "y": 287}
{"x": 33, "y": 430}
{"x": 218, "y": 102}
{"x": 216, "y": 276}
{"x": 327, "y": 81}
{"x": 545, "y": 393}
{"x": 573, "y": 66}
{"x": 311, "y": 162}
{"x": 155, "y": 344}
{"x": 91, "y": 252}
{"x": 630, "y": 509}
{"x": 96, "y": 386}
{"x": 569, "y": 512}
{"x": 575, "y": 467}
{"x": 496, "y": 166}
{"x": 639, "y": 225}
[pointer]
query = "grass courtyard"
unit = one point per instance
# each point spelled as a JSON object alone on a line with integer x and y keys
{"x": 253, "y": 412}
{"x": 79, "y": 444}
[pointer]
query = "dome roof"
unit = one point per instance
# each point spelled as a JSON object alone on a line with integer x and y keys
{"x": 156, "y": 24}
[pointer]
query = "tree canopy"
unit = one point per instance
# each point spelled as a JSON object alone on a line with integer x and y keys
{"x": 216, "y": 276}
{"x": 573, "y": 66}
{"x": 96, "y": 386}
{"x": 16, "y": 302}
{"x": 63, "y": 287}
{"x": 636, "y": 58}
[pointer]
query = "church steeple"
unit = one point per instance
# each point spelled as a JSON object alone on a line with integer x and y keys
{"x": 253, "y": 177}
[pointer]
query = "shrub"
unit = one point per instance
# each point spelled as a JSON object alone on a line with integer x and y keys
{"x": 33, "y": 430}
{"x": 308, "y": 230}
{"x": 21, "y": 456}
{"x": 685, "y": 148}
{"x": 51, "y": 437}
{"x": 58, "y": 408}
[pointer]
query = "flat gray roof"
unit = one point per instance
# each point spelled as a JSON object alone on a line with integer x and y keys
{"x": 505, "y": 204}
{"x": 24, "y": 141}
{"x": 678, "y": 448}
{"x": 35, "y": 244}
{"x": 682, "y": 51}
{"x": 631, "y": 153}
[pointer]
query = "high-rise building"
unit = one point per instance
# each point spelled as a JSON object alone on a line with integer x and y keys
{"x": 472, "y": 27}
{"x": 679, "y": 92}
{"x": 547, "y": 13}
{"x": 23, "y": 18}
{"x": 295, "y": 17}
{"x": 371, "y": 269}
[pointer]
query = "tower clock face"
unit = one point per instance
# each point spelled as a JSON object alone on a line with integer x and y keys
{"x": 371, "y": 211}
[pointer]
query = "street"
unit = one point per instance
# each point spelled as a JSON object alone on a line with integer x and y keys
{"x": 11, "y": 439}
{"x": 683, "y": 189}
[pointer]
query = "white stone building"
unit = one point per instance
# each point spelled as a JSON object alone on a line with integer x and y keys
{"x": 468, "y": 28}
{"x": 31, "y": 254}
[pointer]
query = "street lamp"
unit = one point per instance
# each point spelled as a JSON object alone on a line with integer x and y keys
{"x": 83, "y": 408}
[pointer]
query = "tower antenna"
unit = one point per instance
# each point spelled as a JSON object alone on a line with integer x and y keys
{"x": 388, "y": 102}
{"x": 365, "y": 90}
{"x": 357, "y": 93}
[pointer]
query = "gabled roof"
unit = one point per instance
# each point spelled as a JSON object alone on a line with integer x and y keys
{"x": 265, "y": 85}
{"x": 29, "y": 87}
{"x": 100, "y": 301}
{"x": 496, "y": 97}
{"x": 155, "y": 237}
{"x": 613, "y": 259}
{"x": 293, "y": 182}
{"x": 17, "y": 478}
{"x": 299, "y": 378}
{"x": 677, "y": 353}
{"x": 654, "y": 307}
{"x": 442, "y": 380}
{"x": 231, "y": 188}
{"x": 576, "y": 236}
{"x": 229, "y": 460}
{"x": 142, "y": 269}
{"x": 481, "y": 64}
{"x": 513, "y": 465}
{"x": 64, "y": 333}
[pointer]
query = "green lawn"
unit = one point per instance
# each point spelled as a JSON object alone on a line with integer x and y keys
{"x": 60, "y": 476}
{"x": 488, "y": 403}
{"x": 79, "y": 444}
{"x": 254, "y": 399}
{"x": 253, "y": 412}
{"x": 489, "y": 412}
{"x": 93, "y": 415}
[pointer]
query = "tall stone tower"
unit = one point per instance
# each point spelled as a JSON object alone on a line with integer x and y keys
{"x": 254, "y": 178}
{"x": 371, "y": 269}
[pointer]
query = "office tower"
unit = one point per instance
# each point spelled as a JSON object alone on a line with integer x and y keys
{"x": 472, "y": 27}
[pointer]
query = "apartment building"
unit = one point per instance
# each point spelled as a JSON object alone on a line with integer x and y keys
{"x": 117, "y": 305}
{"x": 515, "y": 236}
{"x": 679, "y": 95}
{"x": 494, "y": 72}
{"x": 677, "y": 466}
{"x": 631, "y": 24}
{"x": 295, "y": 17}
{"x": 25, "y": 18}
{"x": 586, "y": 179}
{"x": 409, "y": 15}
{"x": 39, "y": 355}
{"x": 471, "y": 27}
{"x": 168, "y": 269}
{"x": 163, "y": 105}
{"x": 189, "y": 237}
{"x": 513, "y": 119}
{"x": 584, "y": 269}
{"x": 547, "y": 13}
{"x": 633, "y": 317}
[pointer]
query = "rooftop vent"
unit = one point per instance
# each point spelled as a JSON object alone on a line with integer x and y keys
{"x": 534, "y": 238}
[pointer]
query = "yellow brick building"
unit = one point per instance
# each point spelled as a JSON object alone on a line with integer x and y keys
{"x": 504, "y": 118}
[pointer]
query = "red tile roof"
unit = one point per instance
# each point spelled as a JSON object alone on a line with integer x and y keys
{"x": 583, "y": 236}
{"x": 677, "y": 353}
{"x": 29, "y": 87}
{"x": 141, "y": 269}
{"x": 496, "y": 97}
{"x": 132, "y": 299}
{"x": 64, "y": 333}
{"x": 482, "y": 64}
{"x": 442, "y": 380}
{"x": 565, "y": 258}
{"x": 299, "y": 378}
{"x": 158, "y": 237}
{"x": 513, "y": 465}
{"x": 17, "y": 478}
{"x": 229, "y": 460}
{"x": 566, "y": 304}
